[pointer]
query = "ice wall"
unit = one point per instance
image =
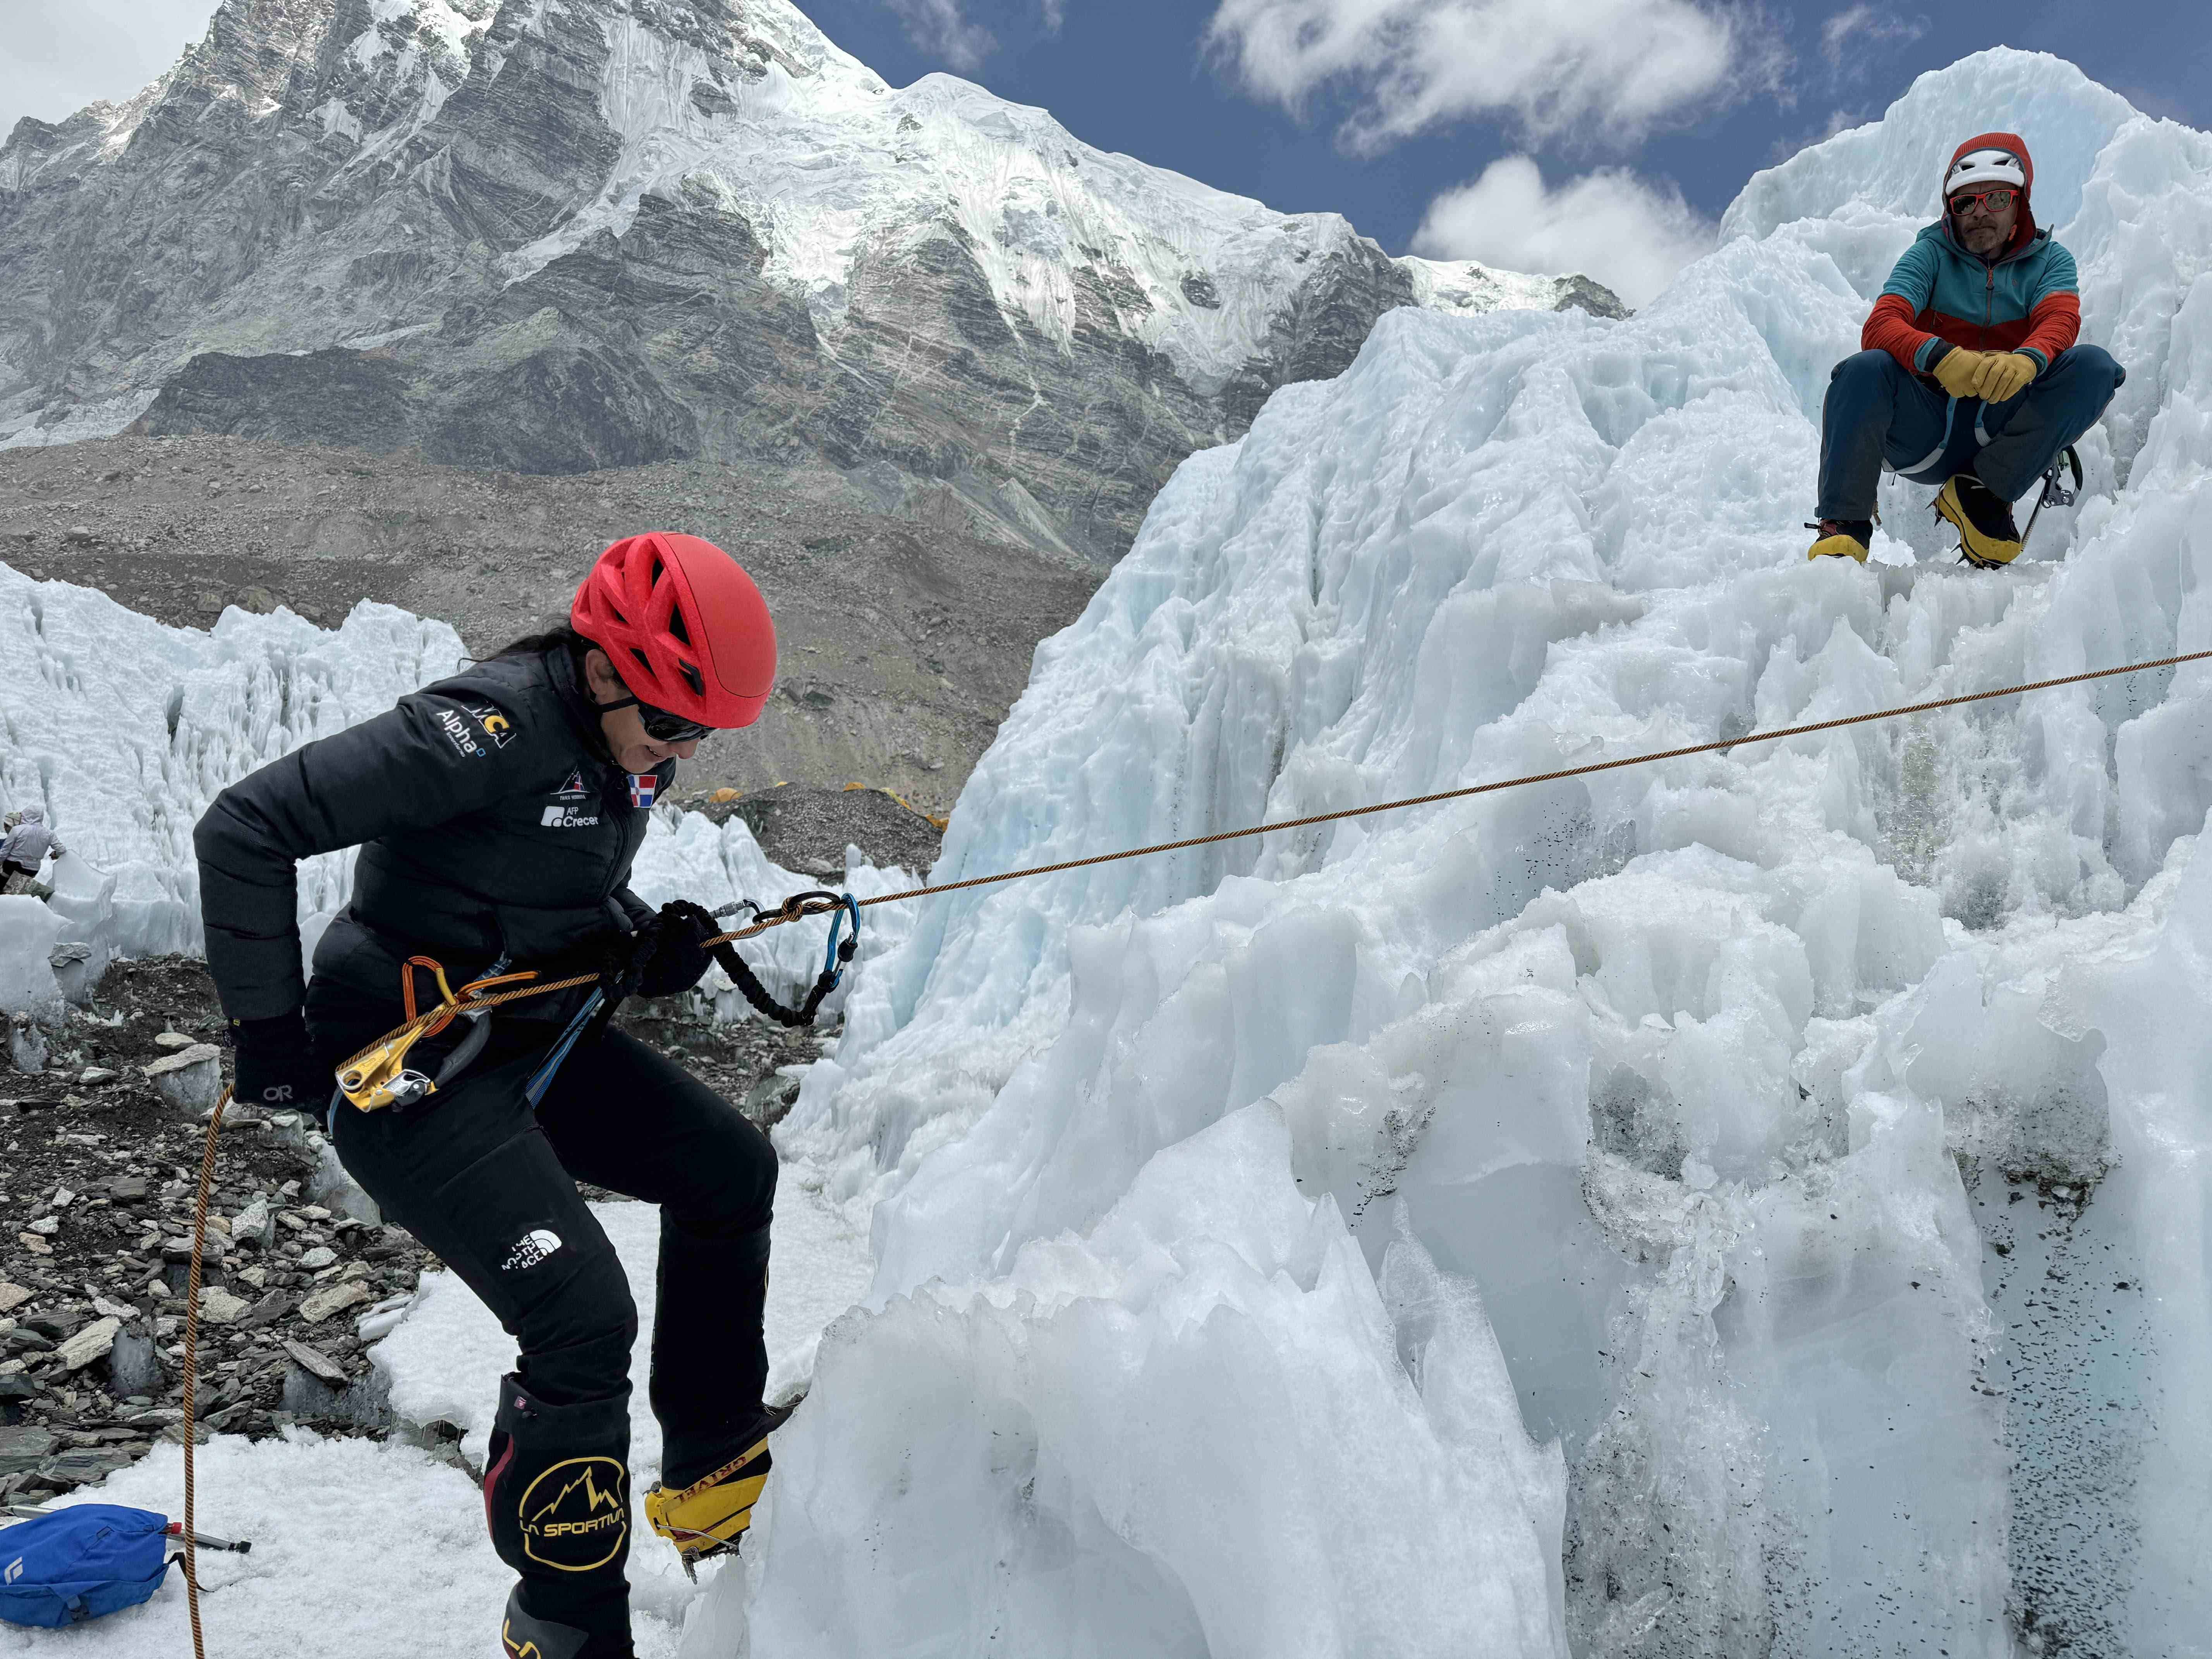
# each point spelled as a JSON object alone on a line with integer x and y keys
{"x": 124, "y": 729}
{"x": 1709, "y": 1089}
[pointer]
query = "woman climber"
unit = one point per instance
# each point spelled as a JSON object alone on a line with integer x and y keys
{"x": 497, "y": 814}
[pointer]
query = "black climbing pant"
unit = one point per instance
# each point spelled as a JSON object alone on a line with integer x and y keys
{"x": 490, "y": 1186}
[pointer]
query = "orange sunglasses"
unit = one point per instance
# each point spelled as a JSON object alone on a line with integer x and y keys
{"x": 1998, "y": 199}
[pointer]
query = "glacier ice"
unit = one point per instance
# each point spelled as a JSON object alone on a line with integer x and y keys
{"x": 1815, "y": 1135}
{"x": 124, "y": 729}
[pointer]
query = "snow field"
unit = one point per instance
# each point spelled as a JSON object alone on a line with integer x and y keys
{"x": 1708, "y": 1089}
{"x": 362, "y": 1546}
{"x": 358, "y": 1548}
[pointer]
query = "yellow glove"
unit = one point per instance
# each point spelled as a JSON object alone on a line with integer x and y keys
{"x": 1959, "y": 372}
{"x": 2004, "y": 374}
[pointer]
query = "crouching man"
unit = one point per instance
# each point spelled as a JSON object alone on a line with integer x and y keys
{"x": 1970, "y": 378}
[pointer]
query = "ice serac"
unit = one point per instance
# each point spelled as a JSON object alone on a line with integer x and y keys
{"x": 554, "y": 237}
{"x": 124, "y": 729}
{"x": 1816, "y": 1134}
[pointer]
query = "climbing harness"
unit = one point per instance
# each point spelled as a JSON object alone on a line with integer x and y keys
{"x": 378, "y": 1076}
{"x": 800, "y": 906}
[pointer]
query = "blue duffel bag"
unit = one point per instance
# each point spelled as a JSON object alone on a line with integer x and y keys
{"x": 76, "y": 1564}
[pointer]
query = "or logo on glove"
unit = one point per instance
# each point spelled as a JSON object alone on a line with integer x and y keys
{"x": 275, "y": 1067}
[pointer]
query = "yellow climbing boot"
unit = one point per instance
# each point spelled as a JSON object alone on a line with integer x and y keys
{"x": 1841, "y": 539}
{"x": 709, "y": 1516}
{"x": 1988, "y": 538}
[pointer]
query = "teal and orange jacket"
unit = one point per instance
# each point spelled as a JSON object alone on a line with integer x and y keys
{"x": 1939, "y": 295}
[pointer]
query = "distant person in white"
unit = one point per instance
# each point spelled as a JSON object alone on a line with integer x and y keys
{"x": 29, "y": 842}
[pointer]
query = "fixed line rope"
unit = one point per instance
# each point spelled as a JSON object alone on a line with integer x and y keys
{"x": 1583, "y": 770}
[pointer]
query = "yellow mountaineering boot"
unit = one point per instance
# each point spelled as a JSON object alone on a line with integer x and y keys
{"x": 1842, "y": 538}
{"x": 1988, "y": 538}
{"x": 709, "y": 1516}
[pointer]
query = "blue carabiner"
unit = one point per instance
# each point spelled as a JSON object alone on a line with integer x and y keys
{"x": 847, "y": 907}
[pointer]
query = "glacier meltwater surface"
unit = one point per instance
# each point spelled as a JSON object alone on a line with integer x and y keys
{"x": 1754, "y": 1205}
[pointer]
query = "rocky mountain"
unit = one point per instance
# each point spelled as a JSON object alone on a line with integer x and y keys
{"x": 560, "y": 235}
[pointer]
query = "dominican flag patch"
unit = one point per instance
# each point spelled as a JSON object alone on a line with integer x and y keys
{"x": 642, "y": 787}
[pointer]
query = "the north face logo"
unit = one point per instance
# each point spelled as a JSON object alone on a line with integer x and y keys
{"x": 532, "y": 1248}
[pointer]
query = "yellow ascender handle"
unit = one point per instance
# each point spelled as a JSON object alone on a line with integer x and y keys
{"x": 378, "y": 1076}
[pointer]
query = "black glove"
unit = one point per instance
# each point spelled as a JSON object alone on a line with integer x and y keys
{"x": 668, "y": 956}
{"x": 276, "y": 1067}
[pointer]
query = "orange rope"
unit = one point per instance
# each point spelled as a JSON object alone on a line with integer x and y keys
{"x": 191, "y": 1368}
{"x": 1513, "y": 783}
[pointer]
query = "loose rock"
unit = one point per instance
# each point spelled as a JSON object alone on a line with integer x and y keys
{"x": 318, "y": 1363}
{"x": 190, "y": 1079}
{"x": 219, "y": 1307}
{"x": 89, "y": 1344}
{"x": 333, "y": 1298}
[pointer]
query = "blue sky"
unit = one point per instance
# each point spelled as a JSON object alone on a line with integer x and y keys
{"x": 1541, "y": 135}
{"x": 1619, "y": 128}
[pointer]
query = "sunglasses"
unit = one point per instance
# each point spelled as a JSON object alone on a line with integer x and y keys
{"x": 659, "y": 725}
{"x": 1996, "y": 200}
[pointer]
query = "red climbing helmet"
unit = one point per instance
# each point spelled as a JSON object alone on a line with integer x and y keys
{"x": 683, "y": 626}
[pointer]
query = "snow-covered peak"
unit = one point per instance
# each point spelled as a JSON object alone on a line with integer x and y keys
{"x": 827, "y": 163}
{"x": 1462, "y": 288}
{"x": 945, "y": 296}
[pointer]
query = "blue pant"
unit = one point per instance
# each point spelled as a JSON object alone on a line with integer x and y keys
{"x": 1877, "y": 411}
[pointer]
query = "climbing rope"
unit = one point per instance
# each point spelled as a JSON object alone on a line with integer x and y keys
{"x": 804, "y": 905}
{"x": 191, "y": 1367}
{"x": 1583, "y": 770}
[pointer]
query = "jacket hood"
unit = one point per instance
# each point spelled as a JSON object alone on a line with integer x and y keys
{"x": 2024, "y": 231}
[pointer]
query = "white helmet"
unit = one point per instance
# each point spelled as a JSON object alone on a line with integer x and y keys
{"x": 1985, "y": 166}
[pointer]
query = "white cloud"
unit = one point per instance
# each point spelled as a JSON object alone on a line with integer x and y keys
{"x": 61, "y": 55}
{"x": 1862, "y": 21}
{"x": 1620, "y": 229}
{"x": 942, "y": 29}
{"x": 1055, "y": 14}
{"x": 1615, "y": 67}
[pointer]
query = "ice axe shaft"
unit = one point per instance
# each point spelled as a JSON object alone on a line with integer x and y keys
{"x": 236, "y": 1545}
{"x": 174, "y": 1529}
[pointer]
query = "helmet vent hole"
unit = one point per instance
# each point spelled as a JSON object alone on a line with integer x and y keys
{"x": 676, "y": 628}
{"x": 643, "y": 661}
{"x": 692, "y": 679}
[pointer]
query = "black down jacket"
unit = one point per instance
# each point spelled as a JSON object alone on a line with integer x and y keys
{"x": 491, "y": 822}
